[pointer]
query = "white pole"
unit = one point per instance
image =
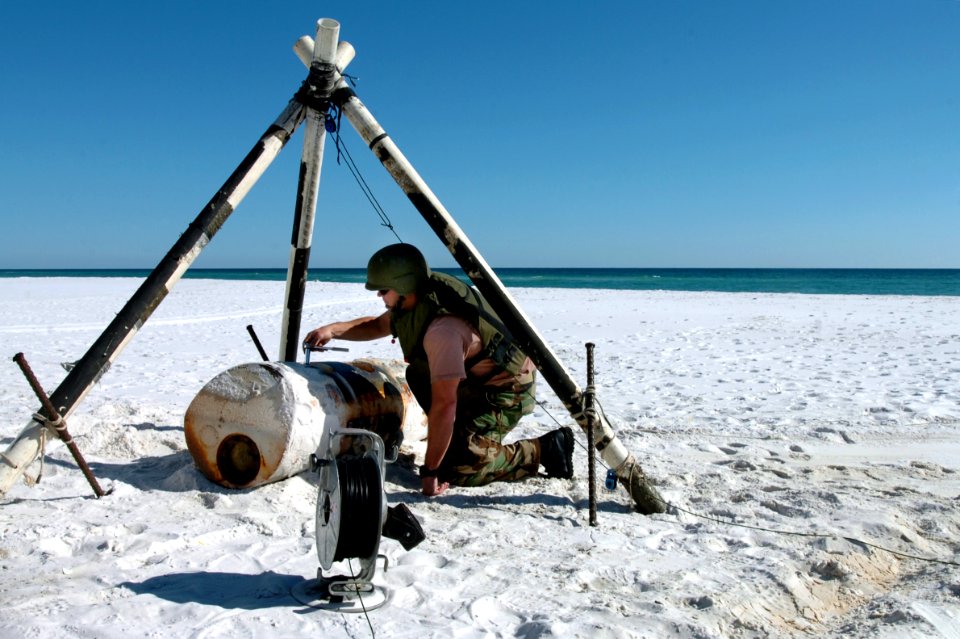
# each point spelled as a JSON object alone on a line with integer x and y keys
{"x": 323, "y": 65}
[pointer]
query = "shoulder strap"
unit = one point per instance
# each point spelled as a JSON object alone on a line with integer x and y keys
{"x": 466, "y": 302}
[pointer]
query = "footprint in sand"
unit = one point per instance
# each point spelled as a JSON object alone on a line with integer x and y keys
{"x": 784, "y": 509}
{"x": 487, "y": 612}
{"x": 423, "y": 559}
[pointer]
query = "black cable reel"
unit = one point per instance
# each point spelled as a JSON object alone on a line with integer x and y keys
{"x": 351, "y": 517}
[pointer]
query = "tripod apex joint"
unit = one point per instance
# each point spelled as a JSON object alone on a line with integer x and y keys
{"x": 317, "y": 88}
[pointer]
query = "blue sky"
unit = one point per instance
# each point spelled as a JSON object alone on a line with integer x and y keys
{"x": 650, "y": 134}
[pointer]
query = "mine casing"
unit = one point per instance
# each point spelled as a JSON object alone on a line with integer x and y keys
{"x": 261, "y": 422}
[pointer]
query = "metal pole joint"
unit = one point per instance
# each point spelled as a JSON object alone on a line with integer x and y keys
{"x": 319, "y": 84}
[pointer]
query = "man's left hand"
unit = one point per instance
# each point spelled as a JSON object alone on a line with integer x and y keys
{"x": 432, "y": 487}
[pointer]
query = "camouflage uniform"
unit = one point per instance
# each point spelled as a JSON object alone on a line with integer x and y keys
{"x": 487, "y": 410}
{"x": 477, "y": 455}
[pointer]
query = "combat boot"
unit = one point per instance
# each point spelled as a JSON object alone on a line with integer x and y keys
{"x": 556, "y": 452}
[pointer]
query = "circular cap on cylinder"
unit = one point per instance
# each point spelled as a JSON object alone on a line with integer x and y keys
{"x": 400, "y": 267}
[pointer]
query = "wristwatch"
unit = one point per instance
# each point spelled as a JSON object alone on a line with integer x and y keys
{"x": 428, "y": 472}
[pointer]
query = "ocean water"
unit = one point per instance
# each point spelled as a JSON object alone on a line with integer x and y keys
{"x": 938, "y": 282}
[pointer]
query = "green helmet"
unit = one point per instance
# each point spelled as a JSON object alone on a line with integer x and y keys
{"x": 400, "y": 267}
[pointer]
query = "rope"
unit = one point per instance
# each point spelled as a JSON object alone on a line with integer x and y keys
{"x": 43, "y": 454}
{"x": 58, "y": 425}
{"x": 332, "y": 125}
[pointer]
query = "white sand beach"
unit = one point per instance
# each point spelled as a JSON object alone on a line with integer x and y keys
{"x": 833, "y": 417}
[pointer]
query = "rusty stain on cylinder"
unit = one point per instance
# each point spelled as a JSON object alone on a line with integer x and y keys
{"x": 198, "y": 449}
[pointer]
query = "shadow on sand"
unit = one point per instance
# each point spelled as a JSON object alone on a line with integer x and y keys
{"x": 223, "y": 589}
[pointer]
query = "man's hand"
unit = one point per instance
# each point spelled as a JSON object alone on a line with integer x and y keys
{"x": 318, "y": 336}
{"x": 432, "y": 487}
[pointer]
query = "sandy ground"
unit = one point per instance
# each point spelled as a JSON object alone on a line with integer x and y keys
{"x": 799, "y": 438}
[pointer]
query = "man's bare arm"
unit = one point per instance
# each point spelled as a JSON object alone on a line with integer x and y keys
{"x": 361, "y": 329}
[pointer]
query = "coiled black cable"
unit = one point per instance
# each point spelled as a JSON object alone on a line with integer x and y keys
{"x": 360, "y": 507}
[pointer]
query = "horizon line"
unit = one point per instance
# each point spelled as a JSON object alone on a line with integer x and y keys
{"x": 455, "y": 267}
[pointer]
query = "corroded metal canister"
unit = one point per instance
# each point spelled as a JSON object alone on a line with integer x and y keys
{"x": 260, "y": 422}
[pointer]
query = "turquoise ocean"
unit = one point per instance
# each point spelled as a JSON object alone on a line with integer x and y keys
{"x": 938, "y": 282}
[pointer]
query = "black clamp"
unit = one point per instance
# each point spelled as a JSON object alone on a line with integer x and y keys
{"x": 316, "y": 89}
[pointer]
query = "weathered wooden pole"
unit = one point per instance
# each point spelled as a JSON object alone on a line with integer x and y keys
{"x": 78, "y": 382}
{"x": 614, "y": 453}
{"x": 325, "y": 67}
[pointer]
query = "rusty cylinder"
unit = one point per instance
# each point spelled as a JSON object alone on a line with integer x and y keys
{"x": 260, "y": 422}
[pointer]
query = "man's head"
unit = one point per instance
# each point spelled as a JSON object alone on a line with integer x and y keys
{"x": 398, "y": 267}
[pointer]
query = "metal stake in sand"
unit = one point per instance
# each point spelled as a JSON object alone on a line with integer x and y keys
{"x": 614, "y": 453}
{"x": 256, "y": 342}
{"x": 589, "y": 395}
{"x": 56, "y": 422}
{"x": 325, "y": 68}
{"x": 154, "y": 289}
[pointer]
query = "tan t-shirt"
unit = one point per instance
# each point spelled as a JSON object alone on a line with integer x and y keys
{"x": 448, "y": 342}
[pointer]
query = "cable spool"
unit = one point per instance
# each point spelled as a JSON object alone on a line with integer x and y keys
{"x": 349, "y": 509}
{"x": 360, "y": 495}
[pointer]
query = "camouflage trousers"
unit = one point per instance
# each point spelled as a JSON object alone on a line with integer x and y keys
{"x": 477, "y": 454}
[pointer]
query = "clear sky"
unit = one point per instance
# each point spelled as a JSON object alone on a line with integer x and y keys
{"x": 682, "y": 133}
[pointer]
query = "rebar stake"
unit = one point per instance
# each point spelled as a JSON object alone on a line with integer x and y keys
{"x": 55, "y": 421}
{"x": 591, "y": 413}
{"x": 256, "y": 342}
